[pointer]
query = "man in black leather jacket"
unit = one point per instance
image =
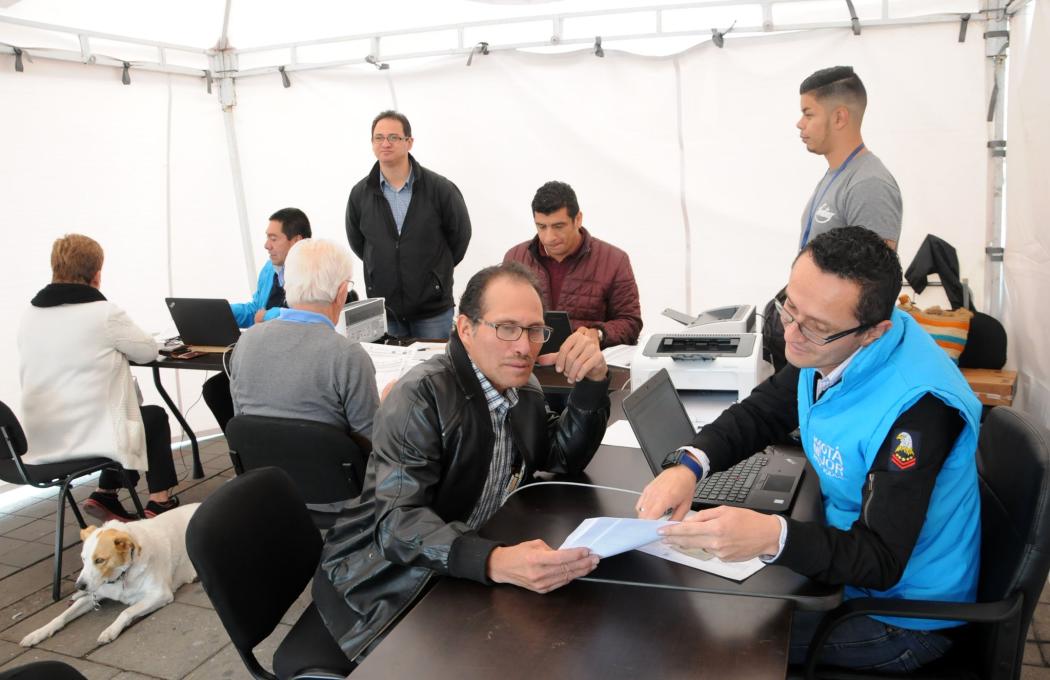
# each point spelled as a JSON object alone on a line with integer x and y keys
{"x": 453, "y": 438}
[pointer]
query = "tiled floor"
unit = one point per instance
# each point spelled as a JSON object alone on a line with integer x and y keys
{"x": 181, "y": 640}
{"x": 185, "y": 638}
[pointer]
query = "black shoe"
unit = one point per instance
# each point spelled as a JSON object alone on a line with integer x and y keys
{"x": 106, "y": 506}
{"x": 153, "y": 508}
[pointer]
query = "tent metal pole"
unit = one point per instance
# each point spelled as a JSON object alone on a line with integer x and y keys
{"x": 997, "y": 40}
{"x": 224, "y": 65}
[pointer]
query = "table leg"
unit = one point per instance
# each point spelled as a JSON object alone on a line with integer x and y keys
{"x": 198, "y": 471}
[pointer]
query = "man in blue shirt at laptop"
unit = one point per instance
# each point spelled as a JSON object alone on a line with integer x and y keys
{"x": 287, "y": 227}
{"x": 890, "y": 427}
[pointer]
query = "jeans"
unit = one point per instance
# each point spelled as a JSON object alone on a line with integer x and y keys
{"x": 866, "y": 644}
{"x": 436, "y": 327}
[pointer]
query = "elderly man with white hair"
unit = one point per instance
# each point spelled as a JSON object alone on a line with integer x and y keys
{"x": 297, "y": 365}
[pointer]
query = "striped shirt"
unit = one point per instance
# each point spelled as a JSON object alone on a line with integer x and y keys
{"x": 397, "y": 198}
{"x": 501, "y": 480}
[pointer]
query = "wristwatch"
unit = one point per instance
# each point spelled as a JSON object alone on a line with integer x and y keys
{"x": 684, "y": 456}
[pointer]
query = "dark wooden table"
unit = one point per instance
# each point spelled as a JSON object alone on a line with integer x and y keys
{"x": 635, "y": 616}
{"x": 205, "y": 362}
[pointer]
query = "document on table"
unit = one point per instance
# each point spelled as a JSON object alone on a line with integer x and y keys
{"x": 620, "y": 434}
{"x": 619, "y": 355}
{"x": 608, "y": 536}
{"x": 392, "y": 362}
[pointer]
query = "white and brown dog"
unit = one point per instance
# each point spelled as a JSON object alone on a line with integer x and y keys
{"x": 141, "y": 564}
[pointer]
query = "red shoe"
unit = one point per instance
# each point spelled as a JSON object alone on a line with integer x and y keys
{"x": 106, "y": 506}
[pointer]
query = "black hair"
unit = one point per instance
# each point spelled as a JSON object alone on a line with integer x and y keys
{"x": 294, "y": 222}
{"x": 836, "y": 82}
{"x": 553, "y": 196}
{"x": 470, "y": 303}
{"x": 860, "y": 255}
{"x": 395, "y": 115}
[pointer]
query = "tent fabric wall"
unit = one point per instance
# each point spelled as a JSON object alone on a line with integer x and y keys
{"x": 499, "y": 129}
{"x": 1027, "y": 258}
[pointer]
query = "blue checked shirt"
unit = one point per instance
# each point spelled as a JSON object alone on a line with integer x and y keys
{"x": 398, "y": 199}
{"x": 501, "y": 479}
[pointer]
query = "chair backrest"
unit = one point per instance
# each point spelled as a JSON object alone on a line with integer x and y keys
{"x": 1013, "y": 461}
{"x": 325, "y": 463}
{"x": 255, "y": 549}
{"x": 12, "y": 431}
{"x": 985, "y": 343}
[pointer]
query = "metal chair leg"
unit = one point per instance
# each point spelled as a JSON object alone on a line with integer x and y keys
{"x": 134, "y": 496}
{"x": 60, "y": 523}
{"x": 76, "y": 510}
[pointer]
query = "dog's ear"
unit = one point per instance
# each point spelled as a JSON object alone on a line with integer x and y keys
{"x": 125, "y": 543}
{"x": 87, "y": 531}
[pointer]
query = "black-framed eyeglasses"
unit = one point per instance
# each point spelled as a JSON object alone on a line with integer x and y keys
{"x": 512, "y": 331}
{"x": 787, "y": 319}
{"x": 392, "y": 138}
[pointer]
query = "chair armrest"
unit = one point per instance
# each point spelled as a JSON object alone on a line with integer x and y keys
{"x": 972, "y": 612}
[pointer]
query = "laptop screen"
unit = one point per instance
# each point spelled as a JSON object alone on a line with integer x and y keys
{"x": 658, "y": 418}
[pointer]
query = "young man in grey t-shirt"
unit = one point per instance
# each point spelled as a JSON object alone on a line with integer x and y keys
{"x": 857, "y": 190}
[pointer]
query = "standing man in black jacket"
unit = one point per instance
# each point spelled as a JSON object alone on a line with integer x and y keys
{"x": 410, "y": 227}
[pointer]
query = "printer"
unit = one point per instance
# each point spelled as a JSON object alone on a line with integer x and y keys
{"x": 718, "y": 351}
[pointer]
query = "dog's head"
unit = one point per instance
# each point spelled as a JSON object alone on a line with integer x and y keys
{"x": 107, "y": 554}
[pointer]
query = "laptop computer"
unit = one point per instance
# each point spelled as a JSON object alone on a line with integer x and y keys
{"x": 767, "y": 481}
{"x": 561, "y": 330}
{"x": 204, "y": 322}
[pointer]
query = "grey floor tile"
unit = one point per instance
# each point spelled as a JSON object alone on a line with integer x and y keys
{"x": 79, "y": 637}
{"x": 42, "y": 508}
{"x": 90, "y": 670}
{"x": 11, "y": 522}
{"x": 27, "y": 553}
{"x": 1035, "y": 673}
{"x": 129, "y": 675}
{"x": 26, "y": 581}
{"x": 227, "y": 663}
{"x": 1032, "y": 655}
{"x": 1045, "y": 595}
{"x": 38, "y": 529}
{"x": 8, "y": 651}
{"x": 28, "y": 606}
{"x": 1040, "y": 626}
{"x": 199, "y": 492}
{"x": 193, "y": 593}
{"x": 7, "y": 570}
{"x": 169, "y": 643}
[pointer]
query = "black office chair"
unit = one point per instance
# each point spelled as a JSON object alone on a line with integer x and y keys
{"x": 1013, "y": 464}
{"x": 326, "y": 464}
{"x": 14, "y": 471}
{"x": 43, "y": 670}
{"x": 255, "y": 550}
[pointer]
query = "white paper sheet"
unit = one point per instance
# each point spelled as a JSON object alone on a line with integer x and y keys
{"x": 620, "y": 434}
{"x": 619, "y": 355}
{"x": 608, "y": 536}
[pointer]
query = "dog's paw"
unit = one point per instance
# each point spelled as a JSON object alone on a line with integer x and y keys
{"x": 36, "y": 637}
{"x": 109, "y": 635}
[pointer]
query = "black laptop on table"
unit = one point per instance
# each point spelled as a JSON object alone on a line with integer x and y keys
{"x": 204, "y": 322}
{"x": 767, "y": 481}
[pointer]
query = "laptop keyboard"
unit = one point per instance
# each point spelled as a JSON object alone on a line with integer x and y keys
{"x": 732, "y": 485}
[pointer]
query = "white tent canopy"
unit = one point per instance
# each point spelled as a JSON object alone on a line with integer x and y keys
{"x": 682, "y": 153}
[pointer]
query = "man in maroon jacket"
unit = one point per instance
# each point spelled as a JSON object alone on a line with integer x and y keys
{"x": 590, "y": 279}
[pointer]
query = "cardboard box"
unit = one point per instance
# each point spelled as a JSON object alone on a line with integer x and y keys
{"x": 993, "y": 388}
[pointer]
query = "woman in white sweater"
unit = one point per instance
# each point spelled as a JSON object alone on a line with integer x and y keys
{"x": 78, "y": 397}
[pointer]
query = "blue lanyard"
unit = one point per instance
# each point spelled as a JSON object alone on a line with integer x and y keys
{"x": 816, "y": 201}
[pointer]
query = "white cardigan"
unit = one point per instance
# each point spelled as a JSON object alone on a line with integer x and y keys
{"x": 78, "y": 398}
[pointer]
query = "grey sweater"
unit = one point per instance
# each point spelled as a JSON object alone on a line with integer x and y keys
{"x": 287, "y": 369}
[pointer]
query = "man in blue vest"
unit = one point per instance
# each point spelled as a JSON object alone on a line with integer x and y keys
{"x": 890, "y": 427}
{"x": 287, "y": 227}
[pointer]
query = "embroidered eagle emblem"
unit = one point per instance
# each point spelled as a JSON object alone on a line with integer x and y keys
{"x": 904, "y": 455}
